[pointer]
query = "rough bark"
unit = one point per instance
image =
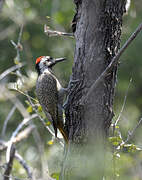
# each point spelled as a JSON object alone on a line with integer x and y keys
{"x": 97, "y": 27}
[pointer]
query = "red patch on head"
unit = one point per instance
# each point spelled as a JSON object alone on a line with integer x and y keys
{"x": 39, "y": 59}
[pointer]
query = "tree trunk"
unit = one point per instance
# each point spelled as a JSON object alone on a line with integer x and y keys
{"x": 97, "y": 28}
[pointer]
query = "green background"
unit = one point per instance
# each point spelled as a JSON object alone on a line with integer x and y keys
{"x": 58, "y": 16}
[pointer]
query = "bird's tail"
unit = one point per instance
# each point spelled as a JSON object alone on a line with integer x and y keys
{"x": 55, "y": 128}
{"x": 64, "y": 134}
{"x": 62, "y": 131}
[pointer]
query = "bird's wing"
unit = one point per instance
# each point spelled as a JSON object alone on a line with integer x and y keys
{"x": 46, "y": 90}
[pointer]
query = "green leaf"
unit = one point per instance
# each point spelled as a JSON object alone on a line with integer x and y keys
{"x": 117, "y": 127}
{"x": 131, "y": 148}
{"x": 30, "y": 109}
{"x": 116, "y": 140}
{"x": 39, "y": 109}
{"x": 55, "y": 175}
{"x": 48, "y": 123}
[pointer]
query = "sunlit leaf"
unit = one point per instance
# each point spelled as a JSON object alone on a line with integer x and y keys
{"x": 50, "y": 142}
{"x": 55, "y": 175}
{"x": 48, "y": 123}
{"x": 39, "y": 109}
{"x": 30, "y": 109}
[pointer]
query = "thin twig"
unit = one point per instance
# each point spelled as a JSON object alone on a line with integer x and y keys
{"x": 24, "y": 134}
{"x": 9, "y": 164}
{"x": 18, "y": 46}
{"x": 11, "y": 69}
{"x": 114, "y": 61}
{"x": 124, "y": 102}
{"x": 25, "y": 94}
{"x": 13, "y": 43}
{"x": 14, "y": 99}
{"x": 14, "y": 134}
{"x": 42, "y": 120}
{"x": 24, "y": 164}
{"x": 19, "y": 159}
{"x": 20, "y": 136}
{"x": 50, "y": 32}
{"x": 7, "y": 119}
{"x": 20, "y": 34}
{"x": 131, "y": 134}
{"x": 14, "y": 177}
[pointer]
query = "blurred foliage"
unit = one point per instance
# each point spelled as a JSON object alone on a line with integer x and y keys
{"x": 58, "y": 16}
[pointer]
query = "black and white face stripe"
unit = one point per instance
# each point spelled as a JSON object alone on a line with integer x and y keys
{"x": 46, "y": 62}
{"x": 43, "y": 63}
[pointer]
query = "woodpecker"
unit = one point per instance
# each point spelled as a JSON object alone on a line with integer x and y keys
{"x": 50, "y": 93}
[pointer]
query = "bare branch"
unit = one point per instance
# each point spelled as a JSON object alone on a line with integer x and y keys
{"x": 20, "y": 136}
{"x": 11, "y": 69}
{"x": 114, "y": 61}
{"x": 14, "y": 134}
{"x": 23, "y": 134}
{"x": 12, "y": 97}
{"x": 25, "y": 94}
{"x": 50, "y": 32}
{"x": 9, "y": 164}
{"x": 20, "y": 34}
{"x": 41, "y": 119}
{"x": 131, "y": 133}
{"x": 14, "y": 177}
{"x": 6, "y": 120}
{"x": 18, "y": 46}
{"x": 24, "y": 164}
{"x": 124, "y": 102}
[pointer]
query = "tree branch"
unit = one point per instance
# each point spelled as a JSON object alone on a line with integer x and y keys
{"x": 14, "y": 134}
{"x": 20, "y": 136}
{"x": 50, "y": 32}
{"x": 123, "y": 105}
{"x": 131, "y": 133}
{"x": 124, "y": 102}
{"x": 9, "y": 164}
{"x": 7, "y": 119}
{"x": 114, "y": 61}
{"x": 23, "y": 163}
{"x": 18, "y": 46}
{"x": 11, "y": 69}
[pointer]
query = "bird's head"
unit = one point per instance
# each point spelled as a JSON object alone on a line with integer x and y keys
{"x": 46, "y": 62}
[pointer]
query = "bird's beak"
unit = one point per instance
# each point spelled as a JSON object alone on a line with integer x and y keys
{"x": 59, "y": 60}
{"x": 55, "y": 61}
